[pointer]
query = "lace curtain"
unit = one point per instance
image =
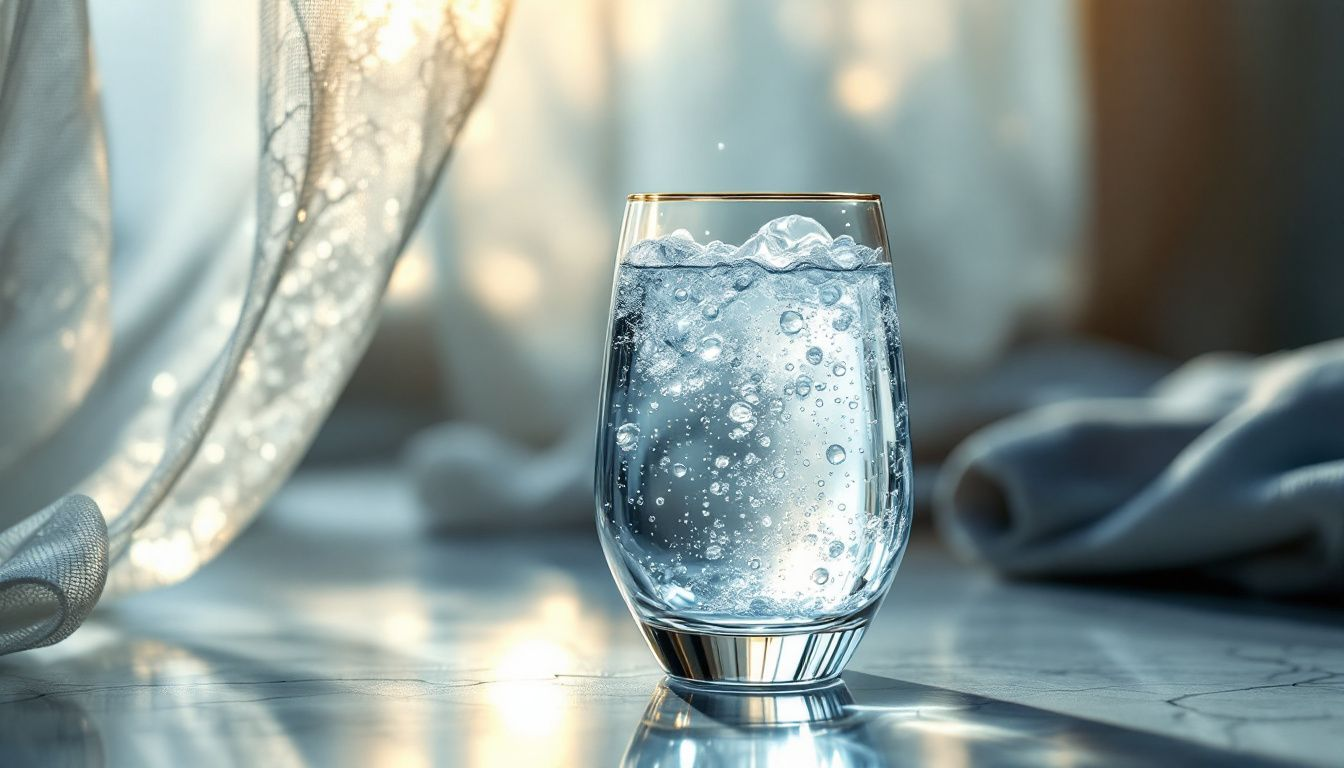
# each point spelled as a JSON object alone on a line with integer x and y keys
{"x": 134, "y": 451}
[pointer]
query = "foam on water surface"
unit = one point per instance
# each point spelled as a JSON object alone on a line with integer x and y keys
{"x": 789, "y": 242}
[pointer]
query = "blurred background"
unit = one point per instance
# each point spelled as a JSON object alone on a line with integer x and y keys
{"x": 1080, "y": 195}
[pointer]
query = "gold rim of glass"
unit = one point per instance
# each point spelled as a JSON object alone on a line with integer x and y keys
{"x": 763, "y": 197}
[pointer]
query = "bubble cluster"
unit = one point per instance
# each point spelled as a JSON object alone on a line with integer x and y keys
{"x": 735, "y": 371}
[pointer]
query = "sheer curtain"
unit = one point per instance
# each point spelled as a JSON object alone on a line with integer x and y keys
{"x": 167, "y": 383}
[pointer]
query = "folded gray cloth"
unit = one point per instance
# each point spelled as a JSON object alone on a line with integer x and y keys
{"x": 52, "y": 569}
{"x": 1232, "y": 468}
{"x": 472, "y": 478}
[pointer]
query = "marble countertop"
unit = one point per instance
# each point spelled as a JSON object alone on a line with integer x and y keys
{"x": 337, "y": 632}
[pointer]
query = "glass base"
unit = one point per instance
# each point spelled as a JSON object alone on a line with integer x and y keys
{"x": 753, "y": 660}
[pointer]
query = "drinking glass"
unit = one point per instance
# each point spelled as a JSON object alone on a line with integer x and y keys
{"x": 753, "y": 471}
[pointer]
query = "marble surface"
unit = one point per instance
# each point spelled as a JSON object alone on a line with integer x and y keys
{"x": 336, "y": 632}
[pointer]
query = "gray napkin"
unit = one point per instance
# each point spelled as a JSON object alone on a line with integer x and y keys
{"x": 1229, "y": 467}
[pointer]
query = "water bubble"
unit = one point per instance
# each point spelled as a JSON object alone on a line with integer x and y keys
{"x": 790, "y": 322}
{"x": 653, "y": 405}
{"x": 627, "y": 436}
{"x": 678, "y": 597}
{"x": 680, "y": 294}
{"x": 679, "y": 469}
{"x": 743, "y": 280}
{"x": 717, "y": 488}
{"x": 710, "y": 348}
{"x": 839, "y": 369}
{"x": 754, "y": 563}
{"x": 710, "y": 311}
{"x": 829, "y": 294}
{"x": 766, "y": 522}
{"x": 722, "y": 461}
{"x": 779, "y": 474}
{"x": 835, "y": 454}
{"x": 740, "y": 412}
{"x": 820, "y": 403}
{"x": 819, "y": 576}
{"x": 658, "y": 501}
{"x": 814, "y": 355}
{"x": 764, "y": 441}
{"x": 802, "y": 387}
{"x": 663, "y": 462}
{"x": 853, "y": 404}
{"x": 714, "y": 552}
{"x": 843, "y": 320}
{"x": 836, "y": 549}
{"x": 652, "y": 518}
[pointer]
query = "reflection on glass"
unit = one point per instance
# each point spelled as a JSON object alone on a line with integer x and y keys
{"x": 871, "y": 720}
{"x": 688, "y": 726}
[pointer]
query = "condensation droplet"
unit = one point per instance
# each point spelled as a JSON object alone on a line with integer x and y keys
{"x": 835, "y": 454}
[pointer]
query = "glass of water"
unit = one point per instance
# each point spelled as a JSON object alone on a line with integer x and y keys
{"x": 753, "y": 470}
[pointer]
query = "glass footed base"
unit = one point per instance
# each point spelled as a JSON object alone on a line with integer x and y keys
{"x": 753, "y": 660}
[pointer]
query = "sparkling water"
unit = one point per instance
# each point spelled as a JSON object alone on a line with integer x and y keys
{"x": 753, "y": 465}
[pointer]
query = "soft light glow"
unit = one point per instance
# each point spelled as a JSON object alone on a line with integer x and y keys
{"x": 529, "y": 721}
{"x": 862, "y": 90}
{"x": 164, "y": 385}
{"x": 169, "y": 559}
{"x": 413, "y": 277}
{"x": 399, "y": 25}
{"x": 209, "y": 519}
{"x": 506, "y": 283}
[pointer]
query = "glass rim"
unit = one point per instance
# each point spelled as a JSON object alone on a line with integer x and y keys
{"x": 755, "y": 197}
